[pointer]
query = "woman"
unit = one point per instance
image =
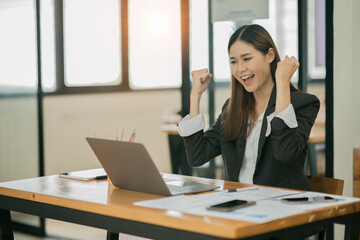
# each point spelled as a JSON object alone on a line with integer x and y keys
{"x": 264, "y": 126}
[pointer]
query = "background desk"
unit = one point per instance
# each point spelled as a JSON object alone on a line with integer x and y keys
{"x": 99, "y": 204}
{"x": 317, "y": 136}
{"x": 178, "y": 155}
{"x": 179, "y": 164}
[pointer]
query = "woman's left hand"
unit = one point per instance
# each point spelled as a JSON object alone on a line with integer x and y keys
{"x": 285, "y": 70}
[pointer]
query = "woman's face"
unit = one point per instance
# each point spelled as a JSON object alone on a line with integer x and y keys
{"x": 251, "y": 67}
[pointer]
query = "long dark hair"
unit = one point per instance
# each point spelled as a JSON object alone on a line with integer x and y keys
{"x": 241, "y": 106}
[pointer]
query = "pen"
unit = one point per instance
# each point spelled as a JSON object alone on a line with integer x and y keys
{"x": 101, "y": 177}
{"x": 243, "y": 190}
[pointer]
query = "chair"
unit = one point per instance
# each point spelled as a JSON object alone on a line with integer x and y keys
{"x": 325, "y": 185}
{"x": 356, "y": 170}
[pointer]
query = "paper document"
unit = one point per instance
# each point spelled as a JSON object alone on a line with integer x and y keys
{"x": 268, "y": 205}
{"x": 183, "y": 202}
{"x": 258, "y": 213}
{"x": 315, "y": 205}
{"x": 196, "y": 204}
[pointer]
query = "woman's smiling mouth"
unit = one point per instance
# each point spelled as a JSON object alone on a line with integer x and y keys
{"x": 248, "y": 79}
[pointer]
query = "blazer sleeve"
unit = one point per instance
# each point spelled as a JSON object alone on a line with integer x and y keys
{"x": 287, "y": 142}
{"x": 202, "y": 147}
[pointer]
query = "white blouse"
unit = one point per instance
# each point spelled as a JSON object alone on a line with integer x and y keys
{"x": 187, "y": 127}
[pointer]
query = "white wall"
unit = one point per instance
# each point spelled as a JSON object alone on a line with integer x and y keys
{"x": 356, "y": 72}
{"x": 346, "y": 92}
{"x": 346, "y": 88}
{"x": 69, "y": 119}
{"x": 18, "y": 138}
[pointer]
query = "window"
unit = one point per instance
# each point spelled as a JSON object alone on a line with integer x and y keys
{"x": 316, "y": 39}
{"x": 154, "y": 44}
{"x": 47, "y": 46}
{"x": 281, "y": 24}
{"x": 17, "y": 46}
{"x": 199, "y": 35}
{"x": 92, "y": 42}
{"x": 82, "y": 47}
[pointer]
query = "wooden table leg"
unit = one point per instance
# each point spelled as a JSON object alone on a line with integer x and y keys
{"x": 112, "y": 236}
{"x": 6, "y": 232}
{"x": 352, "y": 230}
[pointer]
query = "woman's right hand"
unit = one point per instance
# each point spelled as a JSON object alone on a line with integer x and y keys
{"x": 200, "y": 81}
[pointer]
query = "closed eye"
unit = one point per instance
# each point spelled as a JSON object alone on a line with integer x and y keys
{"x": 247, "y": 59}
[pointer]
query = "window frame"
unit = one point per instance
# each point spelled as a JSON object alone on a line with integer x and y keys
{"x": 61, "y": 88}
{"x": 124, "y": 85}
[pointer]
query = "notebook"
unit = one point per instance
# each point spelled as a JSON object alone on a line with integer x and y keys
{"x": 129, "y": 166}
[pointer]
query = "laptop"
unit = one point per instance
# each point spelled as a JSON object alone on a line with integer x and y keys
{"x": 129, "y": 166}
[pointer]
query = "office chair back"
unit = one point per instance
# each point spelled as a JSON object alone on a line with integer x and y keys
{"x": 326, "y": 185}
{"x": 356, "y": 172}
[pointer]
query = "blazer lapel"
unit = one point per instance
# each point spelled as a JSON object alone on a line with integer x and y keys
{"x": 269, "y": 110}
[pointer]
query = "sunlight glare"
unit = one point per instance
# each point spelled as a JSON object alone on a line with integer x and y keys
{"x": 157, "y": 24}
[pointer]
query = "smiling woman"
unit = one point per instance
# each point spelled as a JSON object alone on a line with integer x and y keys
{"x": 264, "y": 126}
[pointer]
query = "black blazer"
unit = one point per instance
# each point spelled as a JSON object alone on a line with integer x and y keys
{"x": 281, "y": 155}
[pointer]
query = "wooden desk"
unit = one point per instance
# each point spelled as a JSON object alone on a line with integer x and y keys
{"x": 99, "y": 204}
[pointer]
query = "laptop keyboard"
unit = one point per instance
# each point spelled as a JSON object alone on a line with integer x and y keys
{"x": 177, "y": 189}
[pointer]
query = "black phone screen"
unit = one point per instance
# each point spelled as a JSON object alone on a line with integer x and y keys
{"x": 230, "y": 205}
{"x": 317, "y": 199}
{"x": 303, "y": 199}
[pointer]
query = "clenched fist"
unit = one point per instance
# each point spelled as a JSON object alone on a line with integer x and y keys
{"x": 285, "y": 70}
{"x": 200, "y": 81}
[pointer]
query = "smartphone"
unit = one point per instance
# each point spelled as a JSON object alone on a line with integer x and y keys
{"x": 230, "y": 205}
{"x": 305, "y": 200}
